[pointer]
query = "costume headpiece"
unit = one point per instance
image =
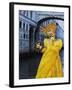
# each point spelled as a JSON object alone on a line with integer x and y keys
{"x": 50, "y": 27}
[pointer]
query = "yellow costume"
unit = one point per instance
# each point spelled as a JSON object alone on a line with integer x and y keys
{"x": 50, "y": 64}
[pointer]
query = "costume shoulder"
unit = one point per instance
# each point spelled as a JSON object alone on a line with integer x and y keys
{"x": 46, "y": 42}
{"x": 59, "y": 43}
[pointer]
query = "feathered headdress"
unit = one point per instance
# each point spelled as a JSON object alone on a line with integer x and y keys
{"x": 50, "y": 27}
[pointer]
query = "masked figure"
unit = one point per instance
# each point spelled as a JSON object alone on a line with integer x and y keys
{"x": 50, "y": 64}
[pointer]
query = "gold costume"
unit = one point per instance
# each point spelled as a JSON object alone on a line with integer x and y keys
{"x": 50, "y": 64}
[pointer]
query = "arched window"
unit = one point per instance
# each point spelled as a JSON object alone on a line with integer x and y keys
{"x": 31, "y": 14}
{"x": 24, "y": 36}
{"x": 23, "y": 25}
{"x": 20, "y": 24}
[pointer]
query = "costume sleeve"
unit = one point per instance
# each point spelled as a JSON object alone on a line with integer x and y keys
{"x": 60, "y": 43}
{"x": 45, "y": 45}
{"x": 43, "y": 50}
